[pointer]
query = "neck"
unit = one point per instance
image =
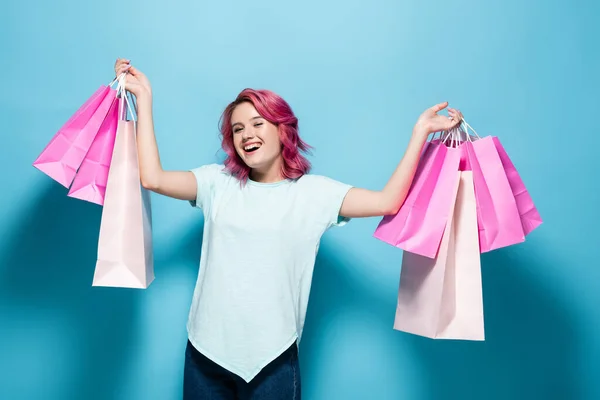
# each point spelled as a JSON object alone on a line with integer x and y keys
{"x": 270, "y": 174}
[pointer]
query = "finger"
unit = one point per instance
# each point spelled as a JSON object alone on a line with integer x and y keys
{"x": 131, "y": 84}
{"x": 455, "y": 113}
{"x": 123, "y": 69}
{"x": 135, "y": 72}
{"x": 119, "y": 64}
{"x": 458, "y": 114}
{"x": 439, "y": 107}
{"x": 452, "y": 120}
{"x": 449, "y": 125}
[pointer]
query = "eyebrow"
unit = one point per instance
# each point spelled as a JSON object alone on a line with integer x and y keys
{"x": 239, "y": 123}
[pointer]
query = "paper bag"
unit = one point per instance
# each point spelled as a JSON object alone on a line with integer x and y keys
{"x": 63, "y": 155}
{"x": 530, "y": 217}
{"x": 497, "y": 213}
{"x": 442, "y": 298}
{"x": 419, "y": 224}
{"x": 91, "y": 179}
{"x": 125, "y": 253}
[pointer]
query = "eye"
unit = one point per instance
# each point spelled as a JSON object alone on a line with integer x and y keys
{"x": 236, "y": 130}
{"x": 258, "y": 124}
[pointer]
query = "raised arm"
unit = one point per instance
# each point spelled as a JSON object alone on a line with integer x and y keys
{"x": 361, "y": 202}
{"x": 177, "y": 184}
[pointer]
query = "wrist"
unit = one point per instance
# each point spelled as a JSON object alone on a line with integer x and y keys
{"x": 144, "y": 97}
{"x": 420, "y": 131}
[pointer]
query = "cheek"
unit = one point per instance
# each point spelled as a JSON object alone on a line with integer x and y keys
{"x": 274, "y": 146}
{"x": 236, "y": 141}
{"x": 236, "y": 144}
{"x": 274, "y": 141}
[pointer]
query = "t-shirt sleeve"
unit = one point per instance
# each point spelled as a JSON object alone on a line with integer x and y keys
{"x": 206, "y": 179}
{"x": 330, "y": 194}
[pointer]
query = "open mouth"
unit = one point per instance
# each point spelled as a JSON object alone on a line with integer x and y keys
{"x": 251, "y": 148}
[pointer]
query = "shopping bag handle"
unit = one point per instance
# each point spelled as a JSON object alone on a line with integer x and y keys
{"x": 455, "y": 136}
{"x": 467, "y": 127}
{"x": 127, "y": 104}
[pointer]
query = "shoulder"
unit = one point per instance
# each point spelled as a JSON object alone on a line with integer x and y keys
{"x": 210, "y": 179}
{"x": 213, "y": 173}
{"x": 324, "y": 197}
{"x": 213, "y": 168}
{"x": 320, "y": 183}
{"x": 322, "y": 189}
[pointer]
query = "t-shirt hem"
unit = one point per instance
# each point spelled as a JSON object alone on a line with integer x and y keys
{"x": 245, "y": 375}
{"x": 339, "y": 220}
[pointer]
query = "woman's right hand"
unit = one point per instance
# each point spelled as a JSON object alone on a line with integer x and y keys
{"x": 135, "y": 81}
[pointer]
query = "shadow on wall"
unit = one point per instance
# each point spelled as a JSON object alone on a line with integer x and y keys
{"x": 61, "y": 329}
{"x": 63, "y": 334}
{"x": 530, "y": 350}
{"x": 186, "y": 250}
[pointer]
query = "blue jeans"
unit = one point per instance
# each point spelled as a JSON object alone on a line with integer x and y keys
{"x": 204, "y": 379}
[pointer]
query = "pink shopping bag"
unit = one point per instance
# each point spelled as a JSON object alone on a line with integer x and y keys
{"x": 63, "y": 155}
{"x": 91, "y": 179}
{"x": 125, "y": 254}
{"x": 530, "y": 217}
{"x": 419, "y": 224}
{"x": 497, "y": 213}
{"x": 442, "y": 298}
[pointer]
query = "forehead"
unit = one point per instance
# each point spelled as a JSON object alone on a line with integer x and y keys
{"x": 243, "y": 112}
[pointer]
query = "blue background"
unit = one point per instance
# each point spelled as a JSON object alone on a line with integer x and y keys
{"x": 357, "y": 74}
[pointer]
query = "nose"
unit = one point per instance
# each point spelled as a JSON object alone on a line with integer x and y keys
{"x": 248, "y": 133}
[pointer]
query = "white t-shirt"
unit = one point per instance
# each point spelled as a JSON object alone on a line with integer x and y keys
{"x": 258, "y": 254}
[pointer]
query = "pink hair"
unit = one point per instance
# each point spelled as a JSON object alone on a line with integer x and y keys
{"x": 277, "y": 111}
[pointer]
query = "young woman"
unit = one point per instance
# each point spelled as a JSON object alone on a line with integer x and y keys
{"x": 264, "y": 217}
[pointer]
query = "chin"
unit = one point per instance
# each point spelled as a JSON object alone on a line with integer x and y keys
{"x": 252, "y": 160}
{"x": 255, "y": 164}
{"x": 259, "y": 163}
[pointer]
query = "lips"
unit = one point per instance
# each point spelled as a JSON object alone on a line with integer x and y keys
{"x": 252, "y": 147}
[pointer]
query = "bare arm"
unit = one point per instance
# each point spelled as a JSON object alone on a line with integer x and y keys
{"x": 361, "y": 202}
{"x": 177, "y": 184}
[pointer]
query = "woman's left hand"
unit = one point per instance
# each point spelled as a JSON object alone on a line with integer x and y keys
{"x": 430, "y": 121}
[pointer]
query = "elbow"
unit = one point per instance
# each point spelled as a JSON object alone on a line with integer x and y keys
{"x": 392, "y": 210}
{"x": 393, "y": 204}
{"x": 149, "y": 184}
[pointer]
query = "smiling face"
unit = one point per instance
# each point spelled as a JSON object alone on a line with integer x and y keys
{"x": 257, "y": 142}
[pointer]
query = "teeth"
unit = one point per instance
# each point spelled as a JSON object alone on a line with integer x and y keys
{"x": 252, "y": 146}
